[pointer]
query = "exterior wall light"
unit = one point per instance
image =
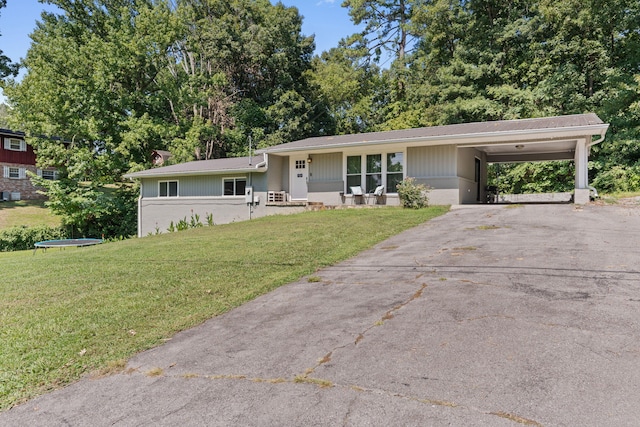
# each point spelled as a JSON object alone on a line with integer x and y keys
{"x": 309, "y": 159}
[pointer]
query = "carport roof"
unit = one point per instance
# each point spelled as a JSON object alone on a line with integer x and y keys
{"x": 584, "y": 124}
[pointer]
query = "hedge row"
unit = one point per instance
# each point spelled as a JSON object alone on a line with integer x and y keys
{"x": 23, "y": 237}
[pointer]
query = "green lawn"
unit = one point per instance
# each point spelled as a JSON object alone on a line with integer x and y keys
{"x": 26, "y": 212}
{"x": 65, "y": 313}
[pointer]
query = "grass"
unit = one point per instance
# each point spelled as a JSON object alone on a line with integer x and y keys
{"x": 613, "y": 198}
{"x": 66, "y": 313}
{"x": 26, "y": 212}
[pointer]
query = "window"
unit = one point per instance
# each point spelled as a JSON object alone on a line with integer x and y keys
{"x": 394, "y": 171}
{"x": 15, "y": 144}
{"x": 235, "y": 186}
{"x": 374, "y": 172}
{"x": 354, "y": 172}
{"x": 49, "y": 175}
{"x": 168, "y": 189}
{"x": 385, "y": 169}
{"x": 301, "y": 164}
{"x": 14, "y": 173}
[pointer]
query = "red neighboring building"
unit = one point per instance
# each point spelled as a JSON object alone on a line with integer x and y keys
{"x": 16, "y": 158}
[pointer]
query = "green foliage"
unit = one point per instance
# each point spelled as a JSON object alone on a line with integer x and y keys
{"x": 197, "y": 78}
{"x": 90, "y": 210}
{"x": 412, "y": 195}
{"x": 618, "y": 179}
{"x": 539, "y": 177}
{"x": 23, "y": 237}
{"x": 193, "y": 222}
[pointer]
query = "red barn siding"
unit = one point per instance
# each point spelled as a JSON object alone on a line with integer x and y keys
{"x": 18, "y": 157}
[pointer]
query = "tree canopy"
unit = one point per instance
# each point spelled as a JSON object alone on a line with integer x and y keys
{"x": 115, "y": 79}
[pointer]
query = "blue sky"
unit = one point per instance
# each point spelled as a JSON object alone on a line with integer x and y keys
{"x": 326, "y": 19}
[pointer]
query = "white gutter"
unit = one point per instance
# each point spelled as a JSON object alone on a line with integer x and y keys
{"x": 264, "y": 163}
{"x": 196, "y": 173}
{"x": 598, "y": 141}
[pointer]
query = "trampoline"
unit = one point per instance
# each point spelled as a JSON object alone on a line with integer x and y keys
{"x": 65, "y": 243}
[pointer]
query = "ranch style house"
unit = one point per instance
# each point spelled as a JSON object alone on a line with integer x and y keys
{"x": 362, "y": 169}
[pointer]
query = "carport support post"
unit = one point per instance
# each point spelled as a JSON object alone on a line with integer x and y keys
{"x": 581, "y": 194}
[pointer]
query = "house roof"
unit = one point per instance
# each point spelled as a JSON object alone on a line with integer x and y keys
{"x": 163, "y": 153}
{"x": 10, "y": 132}
{"x": 589, "y": 124}
{"x": 205, "y": 167}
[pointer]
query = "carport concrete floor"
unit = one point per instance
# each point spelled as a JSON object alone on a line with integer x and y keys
{"x": 490, "y": 315}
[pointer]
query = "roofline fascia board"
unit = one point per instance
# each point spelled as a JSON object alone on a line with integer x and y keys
{"x": 480, "y": 137}
{"x": 195, "y": 173}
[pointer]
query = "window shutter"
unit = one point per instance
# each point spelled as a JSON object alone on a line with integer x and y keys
{"x": 39, "y": 173}
{"x": 7, "y": 143}
{"x": 6, "y": 171}
{"x": 23, "y": 173}
{"x": 55, "y": 175}
{"x": 23, "y": 145}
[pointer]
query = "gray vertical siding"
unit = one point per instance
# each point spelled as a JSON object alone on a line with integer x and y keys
{"x": 274, "y": 175}
{"x": 325, "y": 167}
{"x": 285, "y": 174}
{"x": 202, "y": 186}
{"x": 466, "y": 162}
{"x": 437, "y": 161}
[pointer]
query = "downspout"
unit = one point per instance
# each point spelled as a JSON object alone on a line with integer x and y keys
{"x": 592, "y": 143}
{"x": 598, "y": 141}
{"x": 140, "y": 211}
{"x": 264, "y": 163}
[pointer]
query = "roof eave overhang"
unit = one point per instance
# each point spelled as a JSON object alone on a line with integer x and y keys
{"x": 461, "y": 139}
{"x": 194, "y": 173}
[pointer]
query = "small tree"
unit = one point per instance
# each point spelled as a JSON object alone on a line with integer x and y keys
{"x": 412, "y": 195}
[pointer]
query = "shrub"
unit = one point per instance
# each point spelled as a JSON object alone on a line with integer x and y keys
{"x": 618, "y": 178}
{"x": 23, "y": 237}
{"x": 412, "y": 195}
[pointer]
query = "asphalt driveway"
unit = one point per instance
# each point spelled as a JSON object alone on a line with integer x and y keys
{"x": 488, "y": 315}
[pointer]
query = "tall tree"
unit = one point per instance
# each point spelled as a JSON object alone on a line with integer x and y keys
{"x": 240, "y": 71}
{"x": 115, "y": 79}
{"x": 387, "y": 24}
{"x": 352, "y": 88}
{"x": 92, "y": 81}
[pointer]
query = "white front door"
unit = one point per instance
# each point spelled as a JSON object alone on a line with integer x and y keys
{"x": 299, "y": 175}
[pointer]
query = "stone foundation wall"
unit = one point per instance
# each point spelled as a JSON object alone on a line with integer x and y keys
{"x": 23, "y": 186}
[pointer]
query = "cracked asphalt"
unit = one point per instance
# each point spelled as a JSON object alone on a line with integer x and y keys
{"x": 486, "y": 316}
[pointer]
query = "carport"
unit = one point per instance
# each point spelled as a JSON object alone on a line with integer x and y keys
{"x": 562, "y": 138}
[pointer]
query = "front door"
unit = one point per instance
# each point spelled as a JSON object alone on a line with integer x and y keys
{"x": 299, "y": 177}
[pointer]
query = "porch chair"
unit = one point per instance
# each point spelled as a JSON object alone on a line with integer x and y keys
{"x": 377, "y": 193}
{"x": 356, "y": 192}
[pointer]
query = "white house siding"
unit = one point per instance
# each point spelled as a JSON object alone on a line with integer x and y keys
{"x": 203, "y": 186}
{"x": 325, "y": 179}
{"x": 274, "y": 174}
{"x": 466, "y": 173}
{"x": 156, "y": 214}
{"x": 436, "y": 167}
{"x": 431, "y": 162}
{"x": 201, "y": 195}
